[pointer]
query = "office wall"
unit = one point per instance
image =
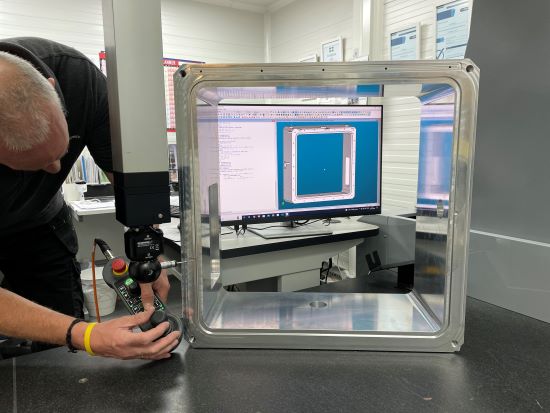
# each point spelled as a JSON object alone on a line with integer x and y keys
{"x": 298, "y": 29}
{"x": 191, "y": 30}
{"x": 510, "y": 242}
{"x": 77, "y": 23}
{"x": 213, "y": 34}
{"x": 400, "y": 14}
{"x": 401, "y": 115}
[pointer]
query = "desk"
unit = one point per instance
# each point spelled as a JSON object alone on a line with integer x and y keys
{"x": 106, "y": 206}
{"x": 101, "y": 223}
{"x": 294, "y": 261}
{"x": 96, "y": 223}
{"x": 503, "y": 367}
{"x": 92, "y": 208}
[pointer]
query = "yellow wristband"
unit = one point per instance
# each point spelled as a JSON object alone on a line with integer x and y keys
{"x": 87, "y": 335}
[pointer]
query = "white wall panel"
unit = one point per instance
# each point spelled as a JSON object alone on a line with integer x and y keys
{"x": 511, "y": 273}
{"x": 77, "y": 23}
{"x": 400, "y": 154}
{"x": 214, "y": 34}
{"x": 191, "y": 30}
{"x": 403, "y": 13}
{"x": 298, "y": 29}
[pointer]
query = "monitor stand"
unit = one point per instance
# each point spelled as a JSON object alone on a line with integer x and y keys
{"x": 289, "y": 230}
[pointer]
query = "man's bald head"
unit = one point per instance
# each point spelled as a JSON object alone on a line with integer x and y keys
{"x": 32, "y": 124}
{"x": 24, "y": 97}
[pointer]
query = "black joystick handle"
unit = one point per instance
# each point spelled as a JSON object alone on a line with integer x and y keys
{"x": 145, "y": 271}
{"x": 160, "y": 316}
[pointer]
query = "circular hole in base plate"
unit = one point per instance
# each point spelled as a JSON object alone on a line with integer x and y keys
{"x": 318, "y": 304}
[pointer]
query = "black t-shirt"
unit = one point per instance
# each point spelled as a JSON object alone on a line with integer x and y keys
{"x": 28, "y": 199}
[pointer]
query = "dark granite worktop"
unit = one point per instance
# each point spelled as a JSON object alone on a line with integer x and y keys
{"x": 503, "y": 367}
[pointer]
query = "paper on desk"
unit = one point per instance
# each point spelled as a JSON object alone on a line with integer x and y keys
{"x": 171, "y": 232}
{"x": 89, "y": 204}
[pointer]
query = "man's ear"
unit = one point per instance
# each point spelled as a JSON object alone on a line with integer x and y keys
{"x": 52, "y": 81}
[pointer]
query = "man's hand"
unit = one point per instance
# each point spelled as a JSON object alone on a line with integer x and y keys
{"x": 22, "y": 318}
{"x": 115, "y": 338}
{"x": 161, "y": 286}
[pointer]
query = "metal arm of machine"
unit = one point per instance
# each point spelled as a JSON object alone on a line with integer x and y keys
{"x": 143, "y": 246}
{"x": 138, "y": 128}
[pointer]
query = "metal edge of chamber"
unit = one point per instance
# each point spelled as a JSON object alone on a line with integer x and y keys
{"x": 463, "y": 75}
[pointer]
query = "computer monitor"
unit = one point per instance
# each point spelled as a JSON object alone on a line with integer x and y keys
{"x": 286, "y": 162}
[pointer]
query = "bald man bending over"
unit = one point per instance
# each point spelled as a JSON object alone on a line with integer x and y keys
{"x": 53, "y": 102}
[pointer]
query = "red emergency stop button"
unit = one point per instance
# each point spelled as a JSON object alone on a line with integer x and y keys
{"x": 119, "y": 266}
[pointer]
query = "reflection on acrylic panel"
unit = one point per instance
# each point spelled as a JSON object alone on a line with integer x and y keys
{"x": 351, "y": 312}
{"x": 173, "y": 163}
{"x": 435, "y": 157}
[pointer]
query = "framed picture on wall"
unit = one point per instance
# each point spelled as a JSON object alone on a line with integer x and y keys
{"x": 311, "y": 58}
{"x": 452, "y": 29}
{"x": 332, "y": 50}
{"x": 405, "y": 43}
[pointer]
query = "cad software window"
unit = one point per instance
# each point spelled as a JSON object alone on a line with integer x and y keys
{"x": 275, "y": 161}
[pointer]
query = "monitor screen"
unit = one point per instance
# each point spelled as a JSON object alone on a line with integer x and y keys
{"x": 282, "y": 162}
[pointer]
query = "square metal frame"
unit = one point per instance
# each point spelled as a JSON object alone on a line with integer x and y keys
{"x": 443, "y": 250}
{"x": 290, "y": 153}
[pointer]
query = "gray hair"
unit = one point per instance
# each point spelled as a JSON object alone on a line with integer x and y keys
{"x": 24, "y": 95}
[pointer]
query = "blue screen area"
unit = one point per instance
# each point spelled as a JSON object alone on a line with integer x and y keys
{"x": 366, "y": 164}
{"x": 319, "y": 163}
{"x": 326, "y": 91}
{"x": 436, "y": 148}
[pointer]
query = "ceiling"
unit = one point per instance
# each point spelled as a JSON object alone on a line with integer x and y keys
{"x": 257, "y": 6}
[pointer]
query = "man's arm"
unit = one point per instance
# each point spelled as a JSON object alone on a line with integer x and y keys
{"x": 22, "y": 318}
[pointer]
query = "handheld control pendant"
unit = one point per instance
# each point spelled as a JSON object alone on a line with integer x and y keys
{"x": 117, "y": 276}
